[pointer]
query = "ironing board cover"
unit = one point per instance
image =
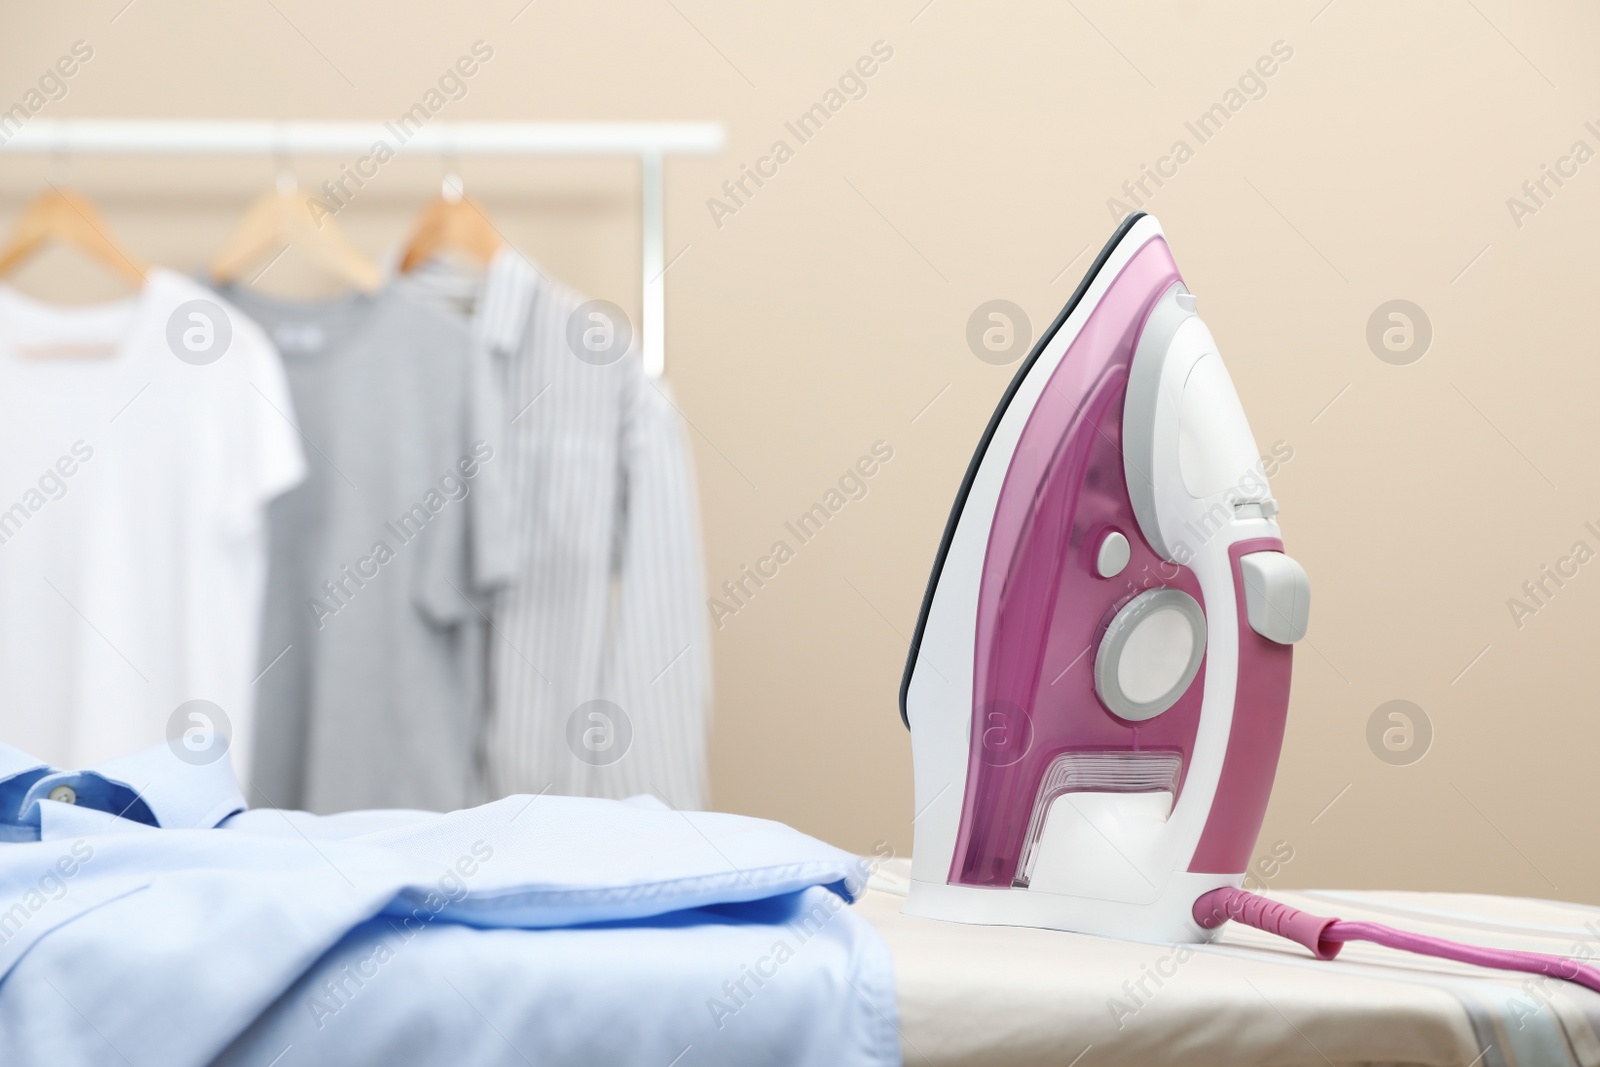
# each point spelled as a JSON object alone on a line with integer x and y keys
{"x": 993, "y": 996}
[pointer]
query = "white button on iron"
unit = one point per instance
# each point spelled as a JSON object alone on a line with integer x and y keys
{"x": 1113, "y": 554}
{"x": 1277, "y": 596}
{"x": 64, "y": 794}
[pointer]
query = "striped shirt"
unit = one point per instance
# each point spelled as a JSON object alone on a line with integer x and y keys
{"x": 599, "y": 663}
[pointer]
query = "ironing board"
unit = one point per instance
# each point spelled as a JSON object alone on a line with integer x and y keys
{"x": 1009, "y": 997}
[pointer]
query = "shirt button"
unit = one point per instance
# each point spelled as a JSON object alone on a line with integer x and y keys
{"x": 65, "y": 794}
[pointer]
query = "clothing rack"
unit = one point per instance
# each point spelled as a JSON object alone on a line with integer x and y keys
{"x": 649, "y": 142}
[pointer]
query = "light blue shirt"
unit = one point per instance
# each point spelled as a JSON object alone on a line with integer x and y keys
{"x": 153, "y": 919}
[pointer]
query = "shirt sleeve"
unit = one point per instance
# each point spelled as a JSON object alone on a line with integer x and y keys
{"x": 489, "y": 517}
{"x": 468, "y": 551}
{"x": 659, "y": 665}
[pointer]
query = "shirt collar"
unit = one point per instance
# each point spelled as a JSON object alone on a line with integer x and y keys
{"x": 17, "y": 766}
{"x": 18, "y": 772}
{"x": 508, "y": 290}
{"x": 154, "y": 787}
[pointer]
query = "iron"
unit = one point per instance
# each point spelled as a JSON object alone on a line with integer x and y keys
{"x": 1097, "y": 686}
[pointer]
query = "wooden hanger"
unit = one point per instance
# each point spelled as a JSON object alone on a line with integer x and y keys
{"x": 451, "y": 221}
{"x": 71, "y": 218}
{"x": 286, "y": 217}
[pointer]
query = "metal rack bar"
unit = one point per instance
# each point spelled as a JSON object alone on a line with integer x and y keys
{"x": 649, "y": 142}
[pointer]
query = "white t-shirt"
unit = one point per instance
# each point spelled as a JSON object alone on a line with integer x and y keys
{"x": 133, "y": 493}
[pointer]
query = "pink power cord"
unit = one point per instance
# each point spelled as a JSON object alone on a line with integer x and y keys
{"x": 1325, "y": 937}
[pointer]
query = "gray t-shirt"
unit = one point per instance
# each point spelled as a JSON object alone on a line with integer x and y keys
{"x": 382, "y": 561}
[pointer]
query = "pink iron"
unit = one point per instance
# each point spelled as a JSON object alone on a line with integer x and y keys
{"x": 1097, "y": 686}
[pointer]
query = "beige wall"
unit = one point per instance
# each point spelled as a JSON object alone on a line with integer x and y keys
{"x": 829, "y": 312}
